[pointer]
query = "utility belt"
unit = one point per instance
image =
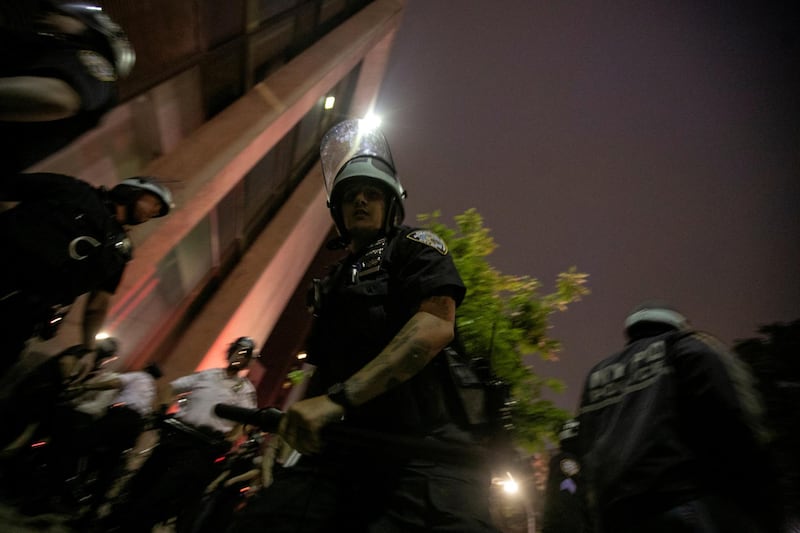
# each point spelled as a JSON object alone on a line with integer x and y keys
{"x": 204, "y": 435}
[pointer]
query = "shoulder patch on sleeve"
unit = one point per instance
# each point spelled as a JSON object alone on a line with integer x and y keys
{"x": 97, "y": 66}
{"x": 428, "y": 238}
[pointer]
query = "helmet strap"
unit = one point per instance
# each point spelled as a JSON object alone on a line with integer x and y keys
{"x": 390, "y": 215}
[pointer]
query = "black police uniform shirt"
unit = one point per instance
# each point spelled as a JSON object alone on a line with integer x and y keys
{"x": 62, "y": 240}
{"x": 363, "y": 304}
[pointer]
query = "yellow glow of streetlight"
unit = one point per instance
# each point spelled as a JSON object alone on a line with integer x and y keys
{"x": 330, "y": 101}
{"x": 370, "y": 122}
{"x": 510, "y": 486}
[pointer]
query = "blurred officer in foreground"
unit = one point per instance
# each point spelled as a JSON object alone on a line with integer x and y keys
{"x": 63, "y": 239}
{"x": 184, "y": 462}
{"x": 37, "y": 459}
{"x": 382, "y": 318}
{"x": 36, "y": 396}
{"x": 60, "y": 62}
{"x": 111, "y": 413}
{"x": 670, "y": 435}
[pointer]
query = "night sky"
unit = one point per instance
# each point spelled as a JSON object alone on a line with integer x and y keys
{"x": 653, "y": 145}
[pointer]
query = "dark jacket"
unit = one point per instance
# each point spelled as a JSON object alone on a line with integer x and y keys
{"x": 669, "y": 419}
{"x": 62, "y": 240}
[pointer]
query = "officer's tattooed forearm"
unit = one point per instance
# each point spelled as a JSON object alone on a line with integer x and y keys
{"x": 441, "y": 306}
{"x": 402, "y": 359}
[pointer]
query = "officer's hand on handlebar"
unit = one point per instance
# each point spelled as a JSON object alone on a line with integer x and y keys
{"x": 303, "y": 422}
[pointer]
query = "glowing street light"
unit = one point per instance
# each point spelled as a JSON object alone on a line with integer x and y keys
{"x": 330, "y": 101}
{"x": 509, "y": 485}
{"x": 370, "y": 122}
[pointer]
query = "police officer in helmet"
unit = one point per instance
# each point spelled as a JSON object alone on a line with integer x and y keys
{"x": 60, "y": 58}
{"x": 670, "y": 435}
{"x": 60, "y": 66}
{"x": 564, "y": 501}
{"x": 383, "y": 315}
{"x": 240, "y": 352}
{"x": 65, "y": 238}
{"x": 174, "y": 477}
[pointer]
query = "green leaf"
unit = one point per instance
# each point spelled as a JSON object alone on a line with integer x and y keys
{"x": 507, "y": 318}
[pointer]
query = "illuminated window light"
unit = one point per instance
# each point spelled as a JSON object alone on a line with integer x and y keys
{"x": 330, "y": 101}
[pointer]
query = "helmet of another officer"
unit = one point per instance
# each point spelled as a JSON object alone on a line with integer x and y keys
{"x": 353, "y": 152}
{"x": 653, "y": 317}
{"x": 154, "y": 370}
{"x": 106, "y": 349}
{"x": 109, "y": 35}
{"x": 243, "y": 346}
{"x": 568, "y": 435}
{"x": 568, "y": 429}
{"x": 128, "y": 191}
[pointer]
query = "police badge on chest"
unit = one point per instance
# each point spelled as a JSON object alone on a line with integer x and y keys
{"x": 370, "y": 261}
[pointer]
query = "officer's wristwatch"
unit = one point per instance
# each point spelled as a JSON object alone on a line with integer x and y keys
{"x": 338, "y": 394}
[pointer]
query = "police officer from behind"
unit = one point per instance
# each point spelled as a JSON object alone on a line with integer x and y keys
{"x": 184, "y": 462}
{"x": 670, "y": 436}
{"x": 382, "y": 317}
{"x": 63, "y": 239}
